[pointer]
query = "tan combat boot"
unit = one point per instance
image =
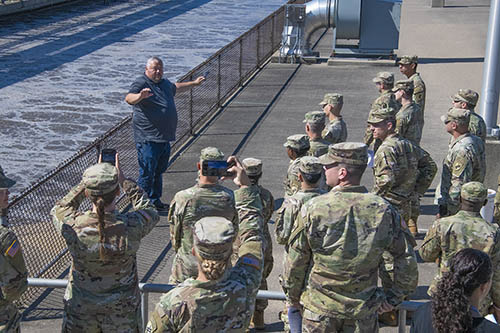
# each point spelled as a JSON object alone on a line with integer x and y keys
{"x": 258, "y": 320}
{"x": 412, "y": 225}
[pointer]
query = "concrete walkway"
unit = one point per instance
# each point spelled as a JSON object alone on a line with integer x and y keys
{"x": 450, "y": 43}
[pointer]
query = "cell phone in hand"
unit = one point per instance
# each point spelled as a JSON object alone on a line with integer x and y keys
{"x": 216, "y": 168}
{"x": 108, "y": 155}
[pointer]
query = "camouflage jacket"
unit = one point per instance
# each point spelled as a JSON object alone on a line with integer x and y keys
{"x": 335, "y": 131}
{"x": 289, "y": 211}
{"x": 465, "y": 229}
{"x": 409, "y": 123}
{"x": 114, "y": 280}
{"x": 477, "y": 126}
{"x": 268, "y": 208}
{"x": 318, "y": 147}
{"x": 400, "y": 169}
{"x": 368, "y": 138}
{"x": 418, "y": 92}
{"x": 187, "y": 207}
{"x": 336, "y": 250}
{"x": 465, "y": 162}
{"x": 226, "y": 304}
{"x": 292, "y": 182}
{"x": 13, "y": 276}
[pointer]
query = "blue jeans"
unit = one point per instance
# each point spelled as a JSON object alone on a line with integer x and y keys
{"x": 153, "y": 162}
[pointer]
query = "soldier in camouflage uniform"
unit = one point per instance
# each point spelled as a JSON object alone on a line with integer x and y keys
{"x": 206, "y": 198}
{"x": 220, "y": 299}
{"x": 14, "y": 274}
{"x": 336, "y": 249}
{"x": 310, "y": 175}
{"x": 467, "y": 99}
{"x": 401, "y": 168}
{"x": 384, "y": 82}
{"x": 336, "y": 130}
{"x": 408, "y": 67}
{"x": 465, "y": 229}
{"x": 253, "y": 168}
{"x": 315, "y": 123}
{"x": 409, "y": 119}
{"x": 103, "y": 288}
{"x": 464, "y": 162}
{"x": 496, "y": 210}
{"x": 296, "y": 146}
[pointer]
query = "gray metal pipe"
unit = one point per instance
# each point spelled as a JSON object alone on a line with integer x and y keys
{"x": 319, "y": 14}
{"x": 490, "y": 88}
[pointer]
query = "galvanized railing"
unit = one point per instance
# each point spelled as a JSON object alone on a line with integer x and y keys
{"x": 44, "y": 248}
{"x": 147, "y": 288}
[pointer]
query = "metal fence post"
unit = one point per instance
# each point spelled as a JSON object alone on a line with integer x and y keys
{"x": 144, "y": 309}
{"x": 191, "y": 130}
{"x": 258, "y": 45}
{"x": 272, "y": 32}
{"x": 218, "y": 81}
{"x": 241, "y": 62}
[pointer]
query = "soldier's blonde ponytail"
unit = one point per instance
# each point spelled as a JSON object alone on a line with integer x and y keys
{"x": 213, "y": 269}
{"x": 100, "y": 203}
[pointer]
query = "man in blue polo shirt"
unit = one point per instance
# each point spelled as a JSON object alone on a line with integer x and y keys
{"x": 154, "y": 122}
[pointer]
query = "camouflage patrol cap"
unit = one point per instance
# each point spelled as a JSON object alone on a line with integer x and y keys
{"x": 100, "y": 179}
{"x": 310, "y": 164}
{"x": 403, "y": 84}
{"x": 211, "y": 154}
{"x": 385, "y": 77}
{"x": 466, "y": 95}
{"x": 332, "y": 98}
{"x": 213, "y": 237}
{"x": 252, "y": 166}
{"x": 456, "y": 114}
{"x": 298, "y": 141}
{"x": 314, "y": 117}
{"x": 406, "y": 60}
{"x": 5, "y": 182}
{"x": 381, "y": 114}
{"x": 474, "y": 191}
{"x": 353, "y": 153}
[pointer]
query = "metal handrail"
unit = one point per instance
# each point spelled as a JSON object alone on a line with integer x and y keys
{"x": 146, "y": 288}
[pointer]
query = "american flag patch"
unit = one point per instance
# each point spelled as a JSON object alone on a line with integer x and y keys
{"x": 13, "y": 248}
{"x": 251, "y": 262}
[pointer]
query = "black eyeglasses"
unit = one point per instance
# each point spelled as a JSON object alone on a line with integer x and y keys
{"x": 329, "y": 166}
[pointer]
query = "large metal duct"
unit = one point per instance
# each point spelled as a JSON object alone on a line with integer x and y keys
{"x": 343, "y": 16}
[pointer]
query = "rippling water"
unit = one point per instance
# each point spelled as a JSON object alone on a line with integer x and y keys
{"x": 64, "y": 72}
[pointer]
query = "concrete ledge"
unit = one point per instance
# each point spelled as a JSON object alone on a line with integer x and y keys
{"x": 27, "y": 5}
{"x": 492, "y": 161}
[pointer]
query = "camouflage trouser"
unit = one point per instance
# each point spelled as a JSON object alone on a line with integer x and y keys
{"x": 315, "y": 323}
{"x": 415, "y": 208}
{"x": 10, "y": 318}
{"x": 183, "y": 268}
{"x": 261, "y": 304}
{"x": 118, "y": 318}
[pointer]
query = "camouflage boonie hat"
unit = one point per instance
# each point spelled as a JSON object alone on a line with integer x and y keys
{"x": 456, "y": 114}
{"x": 314, "y": 117}
{"x": 381, "y": 114}
{"x": 385, "y": 77}
{"x": 5, "y": 182}
{"x": 297, "y": 141}
{"x": 252, "y": 166}
{"x": 211, "y": 154}
{"x": 474, "y": 191}
{"x": 406, "y": 60}
{"x": 100, "y": 179}
{"x": 353, "y": 153}
{"x": 310, "y": 164}
{"x": 403, "y": 84}
{"x": 466, "y": 95}
{"x": 213, "y": 237}
{"x": 332, "y": 98}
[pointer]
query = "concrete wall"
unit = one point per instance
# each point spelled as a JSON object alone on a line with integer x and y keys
{"x": 14, "y": 7}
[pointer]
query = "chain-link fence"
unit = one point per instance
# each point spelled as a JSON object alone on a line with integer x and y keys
{"x": 44, "y": 248}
